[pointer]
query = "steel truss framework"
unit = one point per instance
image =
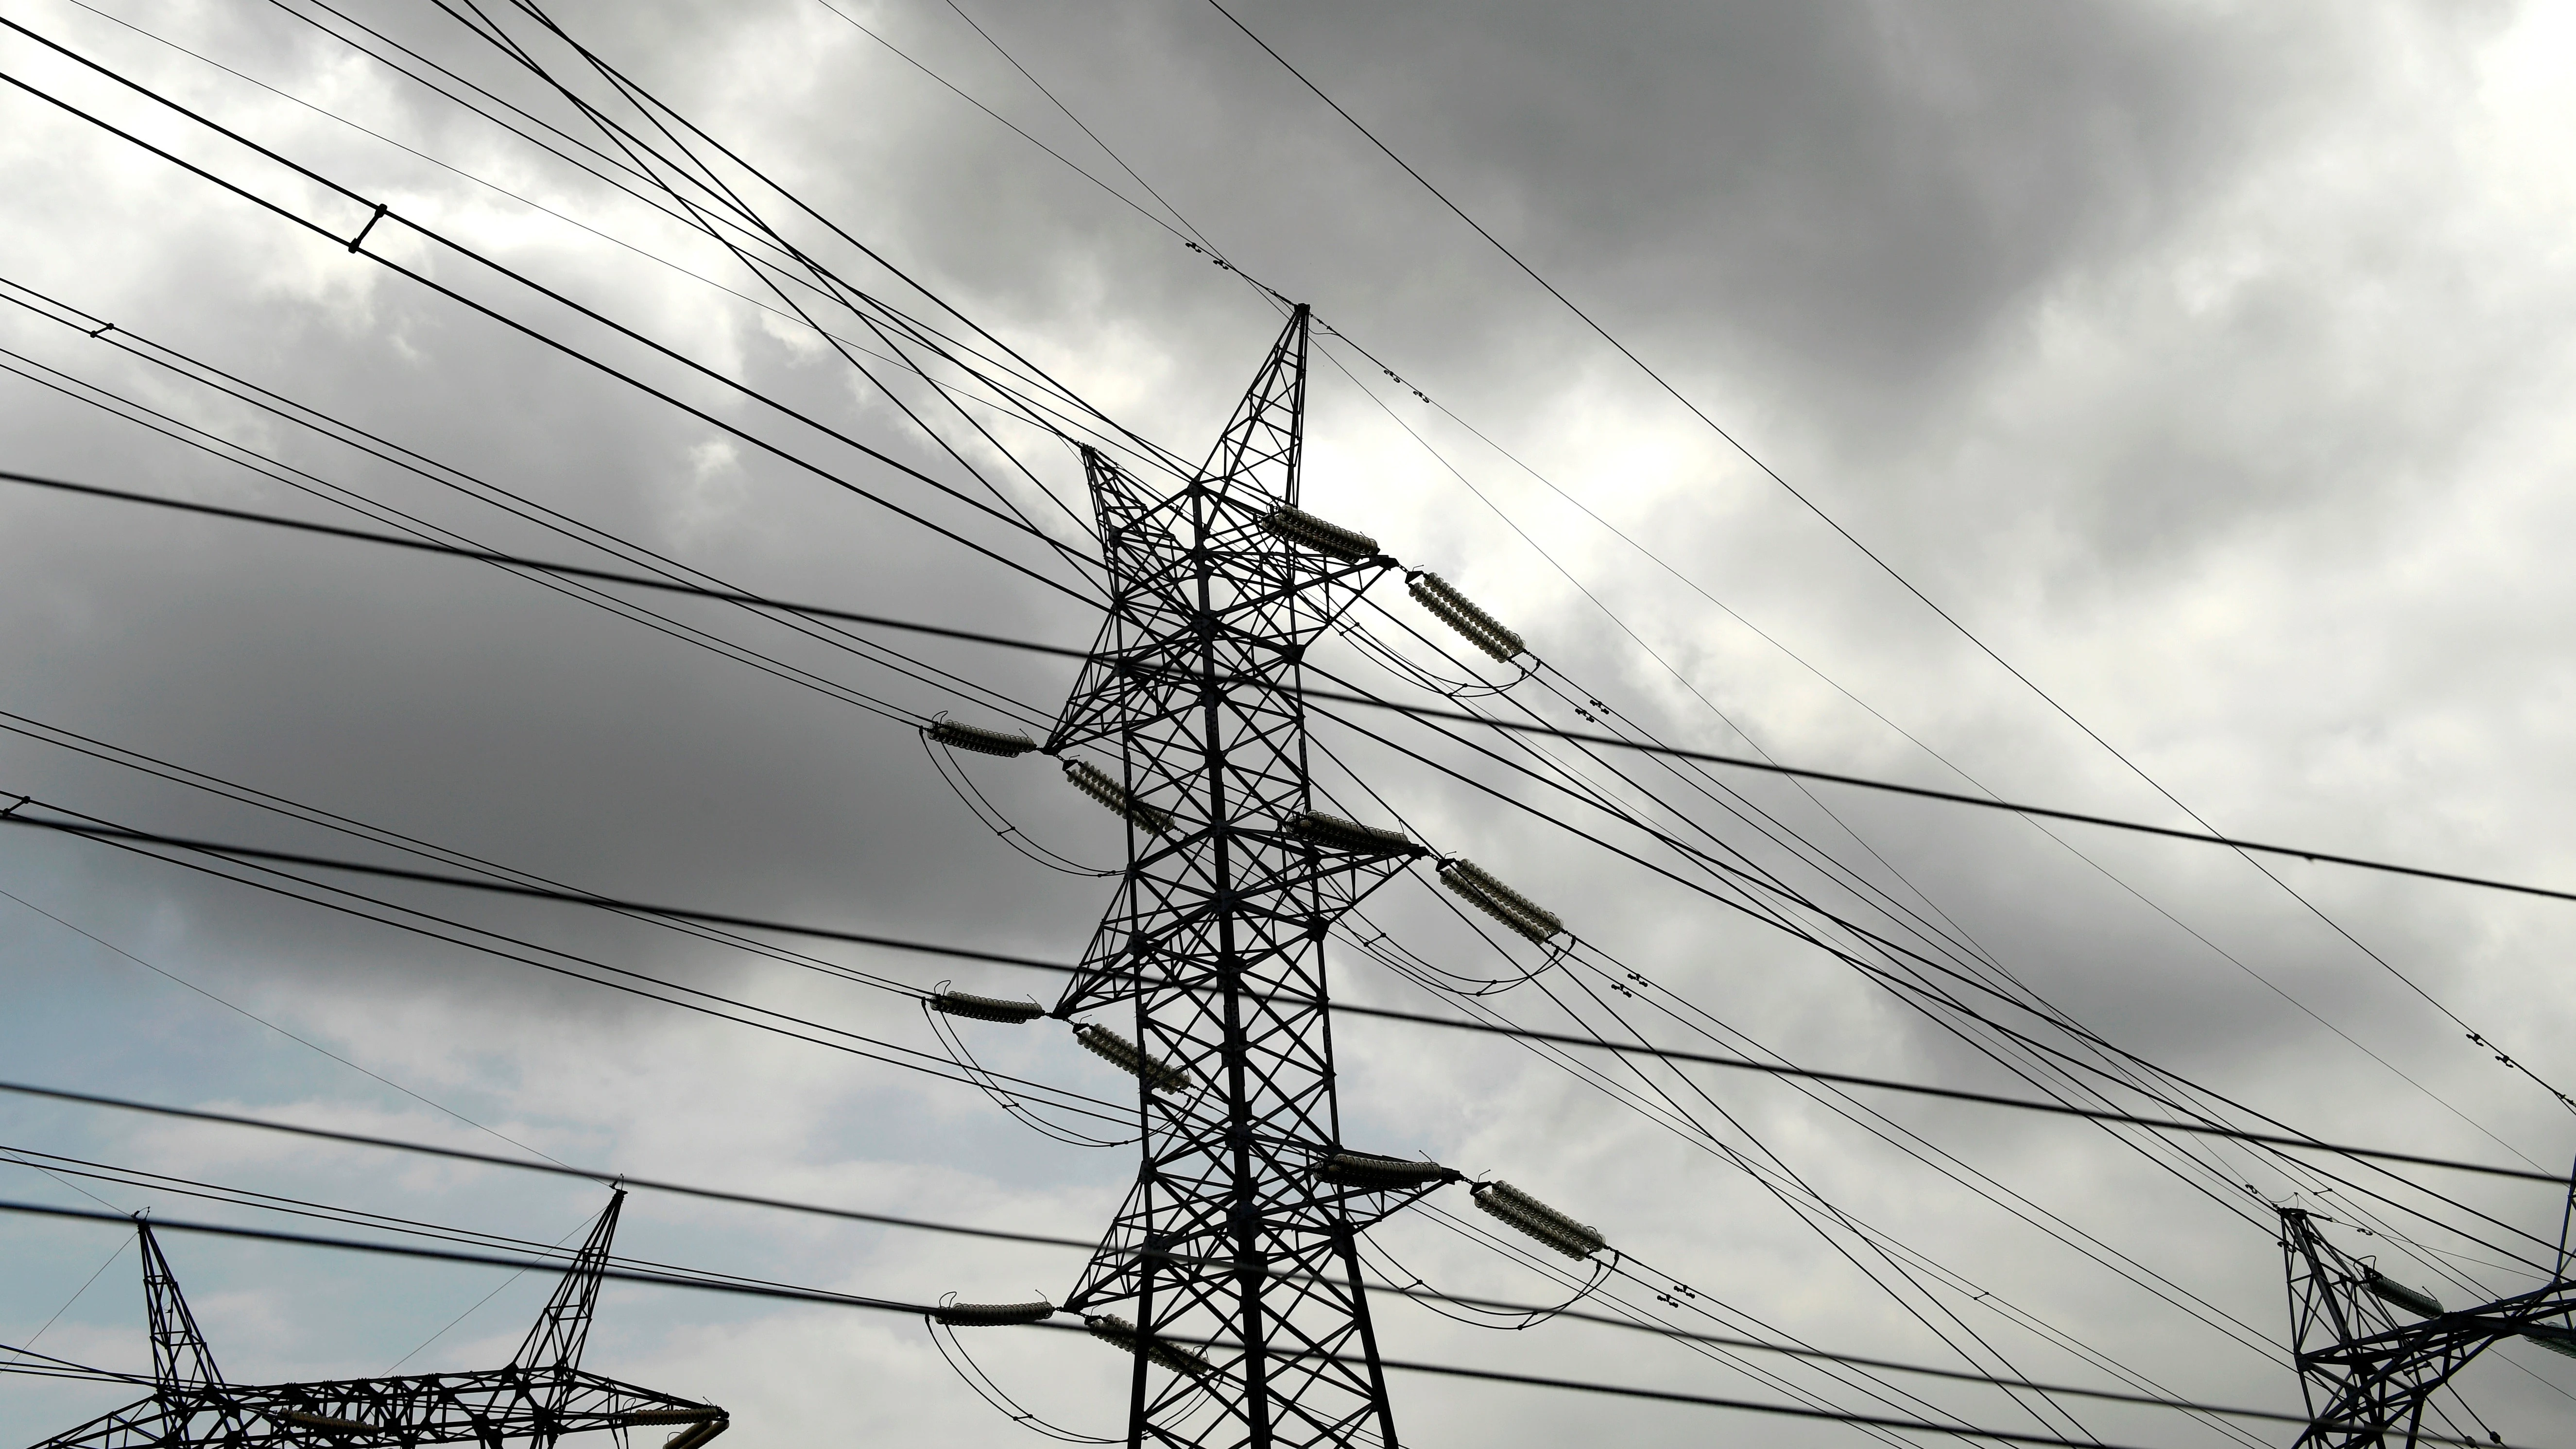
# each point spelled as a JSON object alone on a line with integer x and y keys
{"x": 2368, "y": 1378}
{"x": 542, "y": 1395}
{"x": 1230, "y": 1239}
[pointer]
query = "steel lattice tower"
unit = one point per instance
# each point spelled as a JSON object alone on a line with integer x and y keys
{"x": 542, "y": 1395}
{"x": 1231, "y": 1239}
{"x": 2368, "y": 1375}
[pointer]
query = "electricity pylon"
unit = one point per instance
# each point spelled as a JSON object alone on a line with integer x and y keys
{"x": 540, "y": 1396}
{"x": 2370, "y": 1376}
{"x": 1234, "y": 1250}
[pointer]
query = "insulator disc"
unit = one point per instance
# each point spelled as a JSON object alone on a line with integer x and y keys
{"x": 984, "y": 1008}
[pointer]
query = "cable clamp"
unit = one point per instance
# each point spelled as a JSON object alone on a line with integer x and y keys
{"x": 16, "y": 805}
{"x": 370, "y": 226}
{"x": 104, "y": 328}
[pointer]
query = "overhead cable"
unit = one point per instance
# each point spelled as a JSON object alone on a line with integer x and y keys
{"x": 616, "y": 978}
{"x": 1362, "y": 700}
{"x": 2207, "y": 831}
{"x": 2201, "y": 1129}
{"x": 383, "y": 213}
{"x": 687, "y": 1279}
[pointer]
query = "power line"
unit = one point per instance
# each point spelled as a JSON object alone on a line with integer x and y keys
{"x": 546, "y": 1168}
{"x": 2121, "y": 1062}
{"x": 233, "y": 792}
{"x": 670, "y": 1276}
{"x": 789, "y": 1293}
{"x": 618, "y": 978}
{"x": 516, "y": 958}
{"x": 114, "y": 834}
{"x": 304, "y": 812}
{"x": 2209, "y": 832}
{"x": 905, "y": 988}
{"x": 577, "y": 571}
{"x": 1603, "y": 1043}
{"x": 242, "y": 1197}
{"x": 1362, "y": 700}
{"x": 1920, "y": 995}
{"x": 453, "y": 479}
{"x": 1949, "y": 797}
{"x": 262, "y": 465}
{"x": 381, "y": 213}
{"x": 542, "y": 883}
{"x": 245, "y": 1012}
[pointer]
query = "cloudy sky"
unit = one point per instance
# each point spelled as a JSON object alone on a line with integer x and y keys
{"x": 2206, "y": 362}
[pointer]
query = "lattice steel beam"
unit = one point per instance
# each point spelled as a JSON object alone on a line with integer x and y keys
{"x": 540, "y": 1396}
{"x": 1214, "y": 942}
{"x": 2369, "y": 1375}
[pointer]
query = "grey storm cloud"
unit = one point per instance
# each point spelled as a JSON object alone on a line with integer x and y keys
{"x": 2206, "y": 362}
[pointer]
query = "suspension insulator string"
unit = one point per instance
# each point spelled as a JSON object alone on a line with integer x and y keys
{"x": 963, "y": 786}
{"x": 1459, "y": 612}
{"x": 943, "y": 1337}
{"x": 1126, "y": 1056}
{"x": 1370, "y": 1172}
{"x": 991, "y": 1315}
{"x": 1112, "y": 1329}
{"x": 1308, "y": 532}
{"x": 2413, "y": 1300}
{"x": 2556, "y": 1338}
{"x": 1478, "y": 887}
{"x": 984, "y": 1008}
{"x": 1335, "y": 833}
{"x": 957, "y": 736}
{"x": 1537, "y": 1219}
{"x": 992, "y": 1008}
{"x": 1091, "y": 780}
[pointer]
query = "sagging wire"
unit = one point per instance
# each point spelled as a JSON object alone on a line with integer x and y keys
{"x": 991, "y": 817}
{"x": 2119, "y": 1065}
{"x": 1387, "y": 657}
{"x": 943, "y": 1337}
{"x": 1697, "y": 1130}
{"x": 954, "y": 1047}
{"x": 720, "y": 210}
{"x": 1373, "y": 941}
{"x": 1908, "y": 987}
{"x": 1514, "y": 1252}
{"x": 1474, "y": 1315}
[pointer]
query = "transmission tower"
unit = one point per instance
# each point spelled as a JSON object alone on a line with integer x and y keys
{"x": 2370, "y": 1375}
{"x": 1234, "y": 1252}
{"x": 540, "y": 1396}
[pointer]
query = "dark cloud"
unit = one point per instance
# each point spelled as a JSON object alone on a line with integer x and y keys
{"x": 2204, "y": 362}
